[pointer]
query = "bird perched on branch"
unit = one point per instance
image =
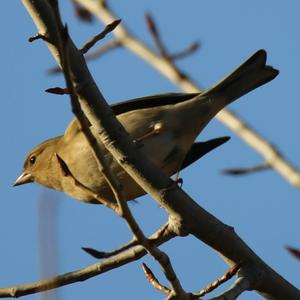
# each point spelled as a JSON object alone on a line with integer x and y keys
{"x": 164, "y": 127}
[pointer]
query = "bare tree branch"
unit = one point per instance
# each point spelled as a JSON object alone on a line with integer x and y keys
{"x": 85, "y": 273}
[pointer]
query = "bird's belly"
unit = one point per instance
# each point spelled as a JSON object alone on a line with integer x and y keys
{"x": 159, "y": 149}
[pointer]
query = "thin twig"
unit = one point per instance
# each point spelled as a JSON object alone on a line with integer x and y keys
{"x": 101, "y": 254}
{"x": 109, "y": 28}
{"x": 191, "y": 49}
{"x": 57, "y": 91}
{"x": 110, "y": 45}
{"x": 228, "y": 275}
{"x": 154, "y": 281}
{"x": 156, "y": 37}
{"x": 37, "y": 37}
{"x": 241, "y": 285}
{"x": 162, "y": 48}
{"x": 295, "y": 252}
{"x": 248, "y": 170}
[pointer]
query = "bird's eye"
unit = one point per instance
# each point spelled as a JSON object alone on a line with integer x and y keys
{"x": 32, "y": 160}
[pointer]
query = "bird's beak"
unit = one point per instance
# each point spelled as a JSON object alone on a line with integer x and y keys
{"x": 23, "y": 178}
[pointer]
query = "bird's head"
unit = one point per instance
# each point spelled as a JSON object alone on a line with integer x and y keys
{"x": 37, "y": 165}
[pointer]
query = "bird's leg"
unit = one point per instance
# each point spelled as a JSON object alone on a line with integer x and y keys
{"x": 178, "y": 179}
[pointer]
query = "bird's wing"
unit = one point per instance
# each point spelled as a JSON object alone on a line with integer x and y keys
{"x": 138, "y": 103}
{"x": 200, "y": 149}
{"x": 151, "y": 101}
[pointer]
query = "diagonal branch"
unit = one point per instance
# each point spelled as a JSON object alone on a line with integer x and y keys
{"x": 122, "y": 208}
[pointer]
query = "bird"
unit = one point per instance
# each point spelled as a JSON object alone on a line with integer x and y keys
{"x": 164, "y": 127}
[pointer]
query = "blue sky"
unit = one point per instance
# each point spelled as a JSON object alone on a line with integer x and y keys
{"x": 263, "y": 208}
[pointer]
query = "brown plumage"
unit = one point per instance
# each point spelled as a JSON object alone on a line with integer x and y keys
{"x": 165, "y": 127}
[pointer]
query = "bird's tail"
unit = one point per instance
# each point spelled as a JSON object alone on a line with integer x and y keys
{"x": 247, "y": 77}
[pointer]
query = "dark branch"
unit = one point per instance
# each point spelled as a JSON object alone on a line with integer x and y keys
{"x": 113, "y": 44}
{"x": 295, "y": 252}
{"x": 101, "y": 254}
{"x": 38, "y": 37}
{"x": 247, "y": 171}
{"x": 186, "y": 52}
{"x": 57, "y": 91}
{"x": 82, "y": 13}
{"x": 156, "y": 36}
{"x": 109, "y": 28}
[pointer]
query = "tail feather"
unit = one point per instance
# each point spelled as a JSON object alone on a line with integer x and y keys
{"x": 200, "y": 149}
{"x": 250, "y": 75}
